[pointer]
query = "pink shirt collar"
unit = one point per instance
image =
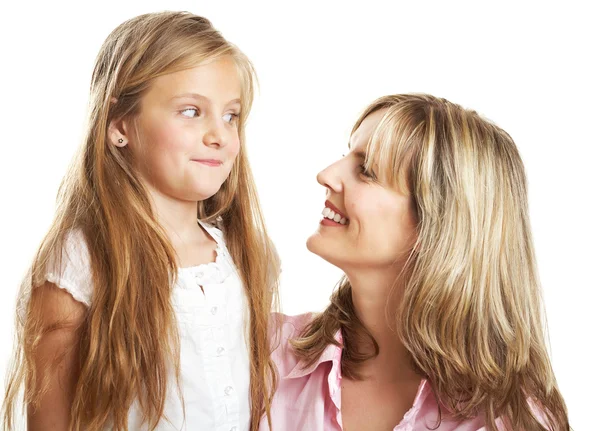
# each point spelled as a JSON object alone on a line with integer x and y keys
{"x": 333, "y": 353}
{"x": 310, "y": 399}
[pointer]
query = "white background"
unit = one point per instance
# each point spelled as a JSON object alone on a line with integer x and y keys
{"x": 531, "y": 68}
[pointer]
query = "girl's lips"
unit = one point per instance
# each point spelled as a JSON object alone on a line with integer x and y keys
{"x": 209, "y": 162}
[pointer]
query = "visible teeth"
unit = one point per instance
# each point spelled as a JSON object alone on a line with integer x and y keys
{"x": 332, "y": 215}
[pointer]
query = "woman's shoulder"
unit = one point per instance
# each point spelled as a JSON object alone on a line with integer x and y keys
{"x": 284, "y": 328}
{"x": 295, "y": 323}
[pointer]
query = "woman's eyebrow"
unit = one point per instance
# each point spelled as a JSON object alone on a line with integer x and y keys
{"x": 360, "y": 154}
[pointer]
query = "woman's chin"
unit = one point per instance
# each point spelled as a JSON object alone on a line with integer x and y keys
{"x": 316, "y": 244}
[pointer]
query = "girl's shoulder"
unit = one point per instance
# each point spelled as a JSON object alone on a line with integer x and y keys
{"x": 71, "y": 269}
{"x": 215, "y": 230}
{"x": 68, "y": 268}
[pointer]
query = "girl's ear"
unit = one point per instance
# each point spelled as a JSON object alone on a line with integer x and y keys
{"x": 117, "y": 131}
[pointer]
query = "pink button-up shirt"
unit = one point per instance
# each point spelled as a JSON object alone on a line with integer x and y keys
{"x": 310, "y": 399}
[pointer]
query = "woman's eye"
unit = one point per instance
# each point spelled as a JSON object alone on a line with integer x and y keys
{"x": 190, "y": 112}
{"x": 367, "y": 173}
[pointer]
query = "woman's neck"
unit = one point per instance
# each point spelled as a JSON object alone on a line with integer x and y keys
{"x": 375, "y": 304}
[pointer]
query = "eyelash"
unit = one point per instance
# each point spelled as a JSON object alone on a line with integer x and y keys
{"x": 366, "y": 173}
{"x": 234, "y": 117}
{"x": 190, "y": 109}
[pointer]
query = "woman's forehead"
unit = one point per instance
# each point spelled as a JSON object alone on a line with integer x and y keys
{"x": 362, "y": 134}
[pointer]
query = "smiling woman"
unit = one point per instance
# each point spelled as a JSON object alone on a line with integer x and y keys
{"x": 437, "y": 322}
{"x": 527, "y": 65}
{"x": 378, "y": 218}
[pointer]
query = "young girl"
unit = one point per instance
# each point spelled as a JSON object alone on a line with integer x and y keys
{"x": 139, "y": 312}
{"x": 437, "y": 323}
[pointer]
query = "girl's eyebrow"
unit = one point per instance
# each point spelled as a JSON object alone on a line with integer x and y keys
{"x": 201, "y": 97}
{"x": 189, "y": 96}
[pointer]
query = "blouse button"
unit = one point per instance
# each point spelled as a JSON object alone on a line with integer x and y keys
{"x": 233, "y": 429}
{"x": 214, "y": 310}
{"x": 220, "y": 350}
{"x": 199, "y": 278}
{"x": 228, "y": 390}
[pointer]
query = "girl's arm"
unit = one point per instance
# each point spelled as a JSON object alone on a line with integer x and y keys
{"x": 56, "y": 356}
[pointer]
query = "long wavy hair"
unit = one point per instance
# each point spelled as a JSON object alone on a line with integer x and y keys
{"x": 132, "y": 261}
{"x": 471, "y": 313}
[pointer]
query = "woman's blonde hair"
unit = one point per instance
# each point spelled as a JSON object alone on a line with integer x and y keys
{"x": 129, "y": 340}
{"x": 471, "y": 313}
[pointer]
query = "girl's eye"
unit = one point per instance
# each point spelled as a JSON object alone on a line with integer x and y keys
{"x": 190, "y": 112}
{"x": 231, "y": 117}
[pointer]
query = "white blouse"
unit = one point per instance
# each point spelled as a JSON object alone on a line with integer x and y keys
{"x": 215, "y": 366}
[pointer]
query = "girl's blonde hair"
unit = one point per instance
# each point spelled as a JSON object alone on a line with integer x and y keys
{"x": 471, "y": 313}
{"x": 132, "y": 261}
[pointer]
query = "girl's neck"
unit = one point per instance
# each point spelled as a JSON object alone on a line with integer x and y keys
{"x": 179, "y": 219}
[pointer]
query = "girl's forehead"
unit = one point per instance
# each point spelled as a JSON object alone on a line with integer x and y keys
{"x": 217, "y": 79}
